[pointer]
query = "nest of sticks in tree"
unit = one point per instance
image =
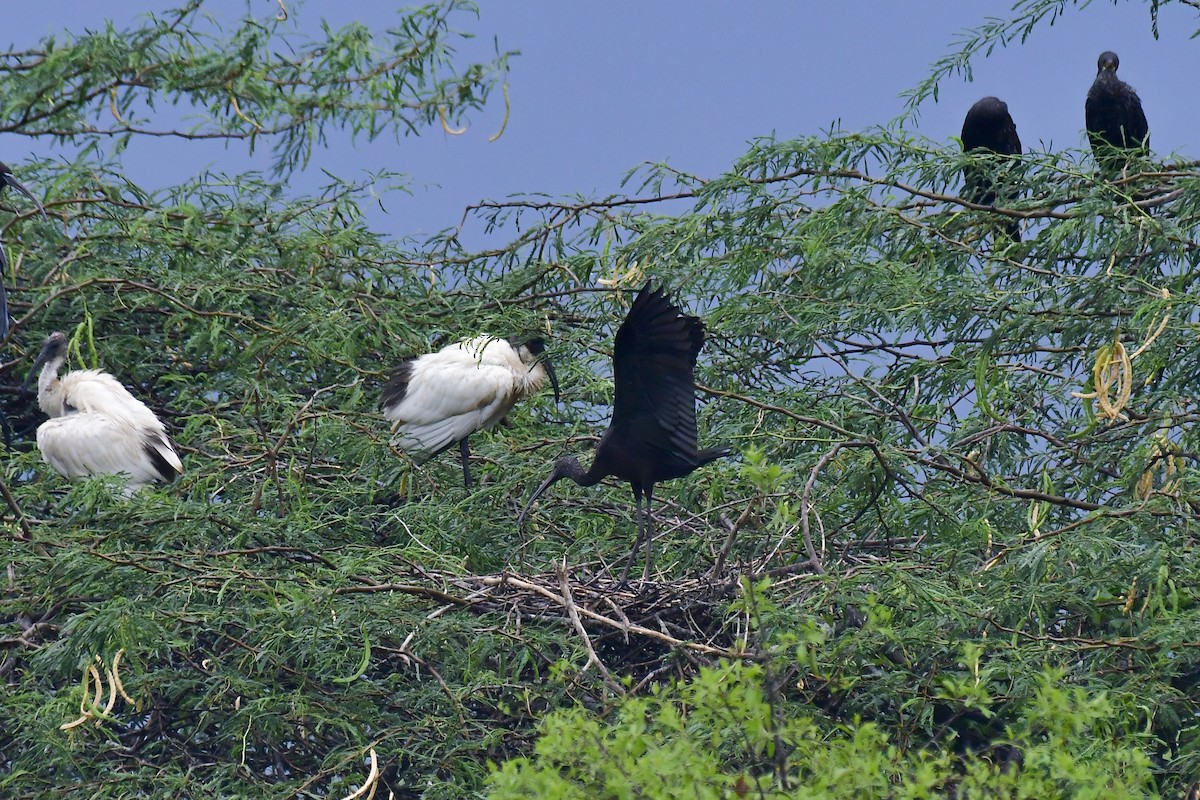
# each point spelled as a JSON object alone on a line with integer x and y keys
{"x": 637, "y": 629}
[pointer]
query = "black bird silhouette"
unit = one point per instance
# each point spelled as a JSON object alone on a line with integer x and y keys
{"x": 6, "y": 180}
{"x": 652, "y": 435}
{"x": 1114, "y": 117}
{"x": 989, "y": 126}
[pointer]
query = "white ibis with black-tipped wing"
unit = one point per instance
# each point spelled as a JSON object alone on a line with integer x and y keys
{"x": 6, "y": 180}
{"x": 652, "y": 435}
{"x": 439, "y": 399}
{"x": 1114, "y": 117}
{"x": 96, "y": 426}
{"x": 989, "y": 127}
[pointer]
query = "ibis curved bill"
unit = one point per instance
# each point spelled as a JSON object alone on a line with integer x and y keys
{"x": 438, "y": 399}
{"x": 652, "y": 435}
{"x": 96, "y": 426}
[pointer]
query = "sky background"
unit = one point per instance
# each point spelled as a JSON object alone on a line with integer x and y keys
{"x": 601, "y": 87}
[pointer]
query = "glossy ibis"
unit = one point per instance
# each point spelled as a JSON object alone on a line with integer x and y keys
{"x": 96, "y": 426}
{"x": 652, "y": 435}
{"x": 441, "y": 398}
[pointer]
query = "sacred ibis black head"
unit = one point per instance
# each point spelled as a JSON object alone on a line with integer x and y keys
{"x": 989, "y": 127}
{"x": 1114, "y": 117}
{"x": 437, "y": 399}
{"x": 652, "y": 435}
{"x": 6, "y": 180}
{"x": 96, "y": 426}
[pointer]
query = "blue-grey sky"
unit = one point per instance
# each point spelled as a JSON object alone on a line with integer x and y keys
{"x": 601, "y": 87}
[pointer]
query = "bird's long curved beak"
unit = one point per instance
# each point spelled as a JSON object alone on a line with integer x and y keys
{"x": 9, "y": 180}
{"x": 36, "y": 369}
{"x": 553, "y": 380}
{"x": 533, "y": 497}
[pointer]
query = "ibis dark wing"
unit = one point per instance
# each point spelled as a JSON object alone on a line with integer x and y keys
{"x": 653, "y": 359}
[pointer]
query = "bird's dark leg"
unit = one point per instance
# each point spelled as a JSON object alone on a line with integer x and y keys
{"x": 466, "y": 456}
{"x": 649, "y": 536}
{"x": 637, "y": 505}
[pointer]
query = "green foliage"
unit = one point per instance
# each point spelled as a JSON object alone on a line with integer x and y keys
{"x": 717, "y": 736}
{"x": 930, "y": 551}
{"x": 260, "y": 82}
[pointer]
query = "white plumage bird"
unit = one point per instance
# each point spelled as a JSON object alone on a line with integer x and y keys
{"x": 441, "y": 398}
{"x": 96, "y": 426}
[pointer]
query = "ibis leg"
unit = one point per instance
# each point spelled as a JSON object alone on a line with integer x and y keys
{"x": 465, "y": 453}
{"x": 649, "y": 537}
{"x": 637, "y": 505}
{"x": 643, "y": 534}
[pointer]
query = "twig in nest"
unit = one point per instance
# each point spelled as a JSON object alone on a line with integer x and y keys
{"x": 564, "y": 583}
{"x": 638, "y": 630}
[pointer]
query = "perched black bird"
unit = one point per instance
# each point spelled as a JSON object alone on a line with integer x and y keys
{"x": 989, "y": 126}
{"x": 6, "y": 180}
{"x": 652, "y": 435}
{"x": 1114, "y": 116}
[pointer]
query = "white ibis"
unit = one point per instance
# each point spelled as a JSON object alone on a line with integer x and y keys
{"x": 6, "y": 180}
{"x": 441, "y": 398}
{"x": 96, "y": 426}
{"x": 1114, "y": 116}
{"x": 652, "y": 435}
{"x": 990, "y": 128}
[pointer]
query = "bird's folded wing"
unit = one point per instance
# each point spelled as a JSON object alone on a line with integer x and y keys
{"x": 89, "y": 444}
{"x": 92, "y": 391}
{"x": 446, "y": 403}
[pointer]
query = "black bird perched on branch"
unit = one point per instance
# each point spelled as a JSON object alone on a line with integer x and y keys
{"x": 6, "y": 180}
{"x": 1114, "y": 116}
{"x": 441, "y": 398}
{"x": 988, "y": 126}
{"x": 652, "y": 435}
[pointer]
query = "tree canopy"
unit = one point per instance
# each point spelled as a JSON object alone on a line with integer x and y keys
{"x": 955, "y": 550}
